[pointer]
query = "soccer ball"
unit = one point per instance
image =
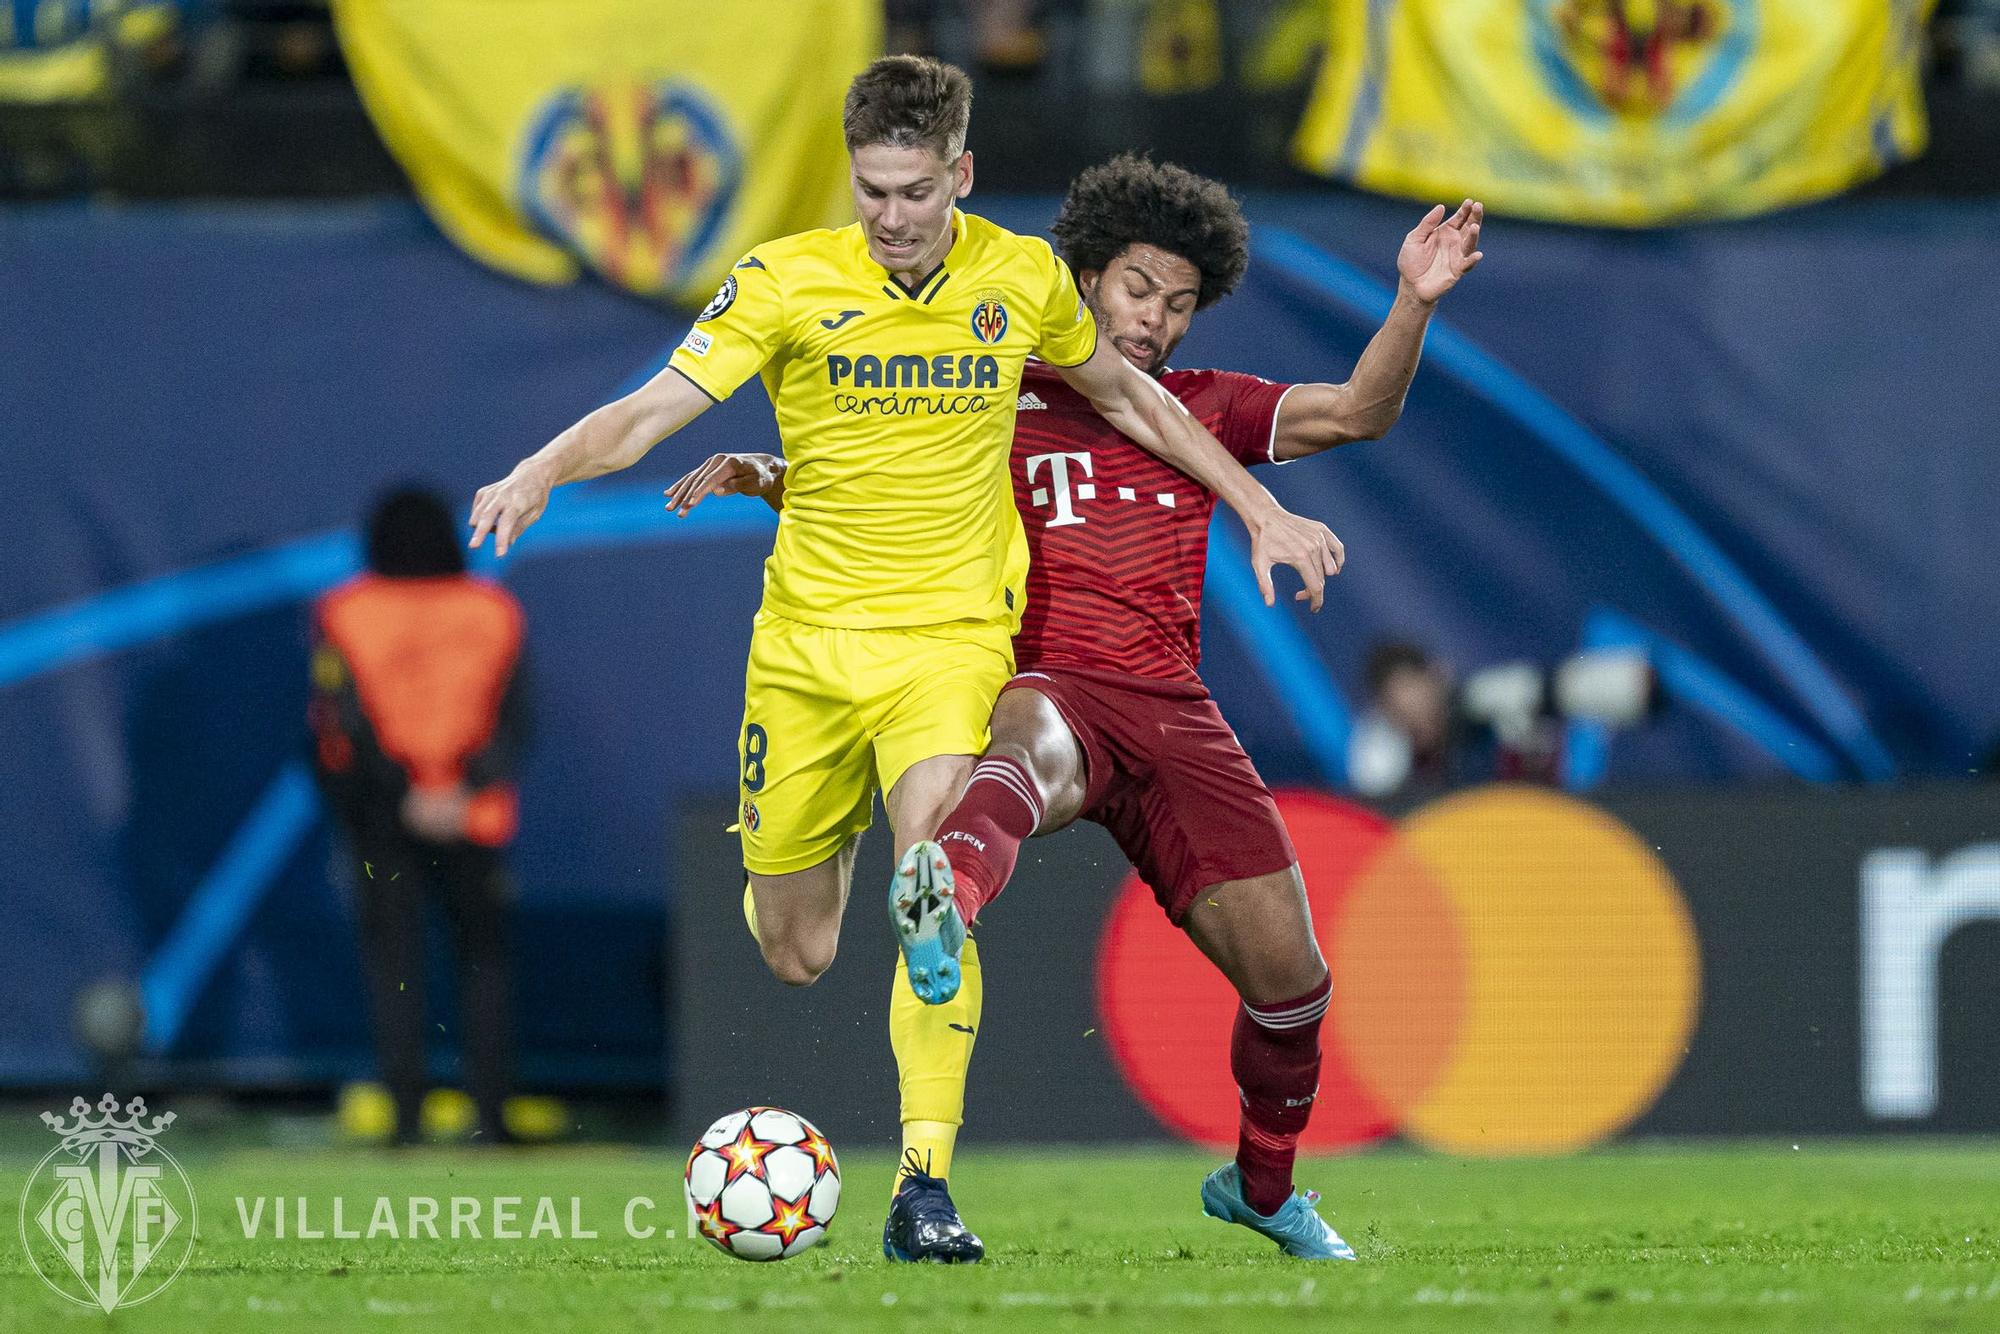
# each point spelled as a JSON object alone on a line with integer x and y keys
{"x": 763, "y": 1184}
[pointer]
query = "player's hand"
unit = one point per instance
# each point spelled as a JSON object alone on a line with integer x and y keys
{"x": 759, "y": 475}
{"x": 508, "y": 506}
{"x": 1440, "y": 250}
{"x": 1307, "y": 545}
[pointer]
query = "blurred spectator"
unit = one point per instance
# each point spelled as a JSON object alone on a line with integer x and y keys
{"x": 55, "y": 51}
{"x": 1423, "y": 735}
{"x": 1966, "y": 41}
{"x": 1405, "y": 744}
{"x": 1007, "y": 35}
{"x": 417, "y": 714}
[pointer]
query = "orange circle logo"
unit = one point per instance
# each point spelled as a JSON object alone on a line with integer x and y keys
{"x": 1513, "y": 972}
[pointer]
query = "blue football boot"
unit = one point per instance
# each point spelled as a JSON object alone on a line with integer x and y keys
{"x": 1296, "y": 1227}
{"x": 928, "y": 927}
{"x": 923, "y": 1223}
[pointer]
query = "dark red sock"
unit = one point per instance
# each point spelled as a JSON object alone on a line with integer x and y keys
{"x": 983, "y": 833}
{"x": 1274, "y": 1054}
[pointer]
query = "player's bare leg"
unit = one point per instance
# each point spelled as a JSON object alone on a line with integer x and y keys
{"x": 1030, "y": 730}
{"x": 796, "y": 916}
{"x": 929, "y": 929}
{"x": 1030, "y": 781}
{"x": 1259, "y": 933}
{"x": 921, "y": 797}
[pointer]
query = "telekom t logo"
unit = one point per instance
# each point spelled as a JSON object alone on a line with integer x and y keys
{"x": 1058, "y": 470}
{"x": 1066, "y": 495}
{"x": 1909, "y": 906}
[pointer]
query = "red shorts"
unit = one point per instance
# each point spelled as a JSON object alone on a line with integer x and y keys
{"x": 1168, "y": 778}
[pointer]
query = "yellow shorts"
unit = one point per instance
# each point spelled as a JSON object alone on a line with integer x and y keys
{"x": 830, "y": 715}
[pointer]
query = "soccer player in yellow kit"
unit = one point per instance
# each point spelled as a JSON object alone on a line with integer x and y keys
{"x": 892, "y": 351}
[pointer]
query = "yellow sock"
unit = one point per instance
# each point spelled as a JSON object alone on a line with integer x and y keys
{"x": 933, "y": 1045}
{"x": 932, "y": 1142}
{"x": 750, "y": 911}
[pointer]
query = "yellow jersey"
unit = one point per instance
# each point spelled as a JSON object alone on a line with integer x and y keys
{"x": 896, "y": 408}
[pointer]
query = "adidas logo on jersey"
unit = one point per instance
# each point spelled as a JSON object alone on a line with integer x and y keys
{"x": 1029, "y": 402}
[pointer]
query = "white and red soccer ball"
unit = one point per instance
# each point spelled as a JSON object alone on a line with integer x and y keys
{"x": 763, "y": 1184}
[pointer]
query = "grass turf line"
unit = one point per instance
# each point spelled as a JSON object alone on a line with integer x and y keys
{"x": 1822, "y": 1237}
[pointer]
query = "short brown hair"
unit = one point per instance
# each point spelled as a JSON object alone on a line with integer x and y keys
{"x": 909, "y": 102}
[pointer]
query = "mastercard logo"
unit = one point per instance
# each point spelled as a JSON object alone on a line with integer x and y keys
{"x": 1514, "y": 972}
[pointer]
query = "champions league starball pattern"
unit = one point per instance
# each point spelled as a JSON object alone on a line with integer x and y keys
{"x": 763, "y": 1184}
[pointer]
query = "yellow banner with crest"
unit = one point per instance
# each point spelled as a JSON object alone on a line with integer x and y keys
{"x": 649, "y": 141}
{"x": 1624, "y": 112}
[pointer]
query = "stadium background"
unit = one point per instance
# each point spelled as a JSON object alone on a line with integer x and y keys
{"x": 1763, "y": 450}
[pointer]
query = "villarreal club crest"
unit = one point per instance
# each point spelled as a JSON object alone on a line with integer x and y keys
{"x": 1665, "y": 59}
{"x": 636, "y": 180}
{"x": 989, "y": 318}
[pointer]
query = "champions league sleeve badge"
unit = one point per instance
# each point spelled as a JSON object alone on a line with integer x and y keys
{"x": 725, "y": 297}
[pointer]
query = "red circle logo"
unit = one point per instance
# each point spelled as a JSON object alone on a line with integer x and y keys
{"x": 1513, "y": 972}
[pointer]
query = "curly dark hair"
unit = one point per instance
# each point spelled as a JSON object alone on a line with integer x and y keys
{"x": 1132, "y": 200}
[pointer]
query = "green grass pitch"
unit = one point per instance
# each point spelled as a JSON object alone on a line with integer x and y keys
{"x": 1758, "y": 1236}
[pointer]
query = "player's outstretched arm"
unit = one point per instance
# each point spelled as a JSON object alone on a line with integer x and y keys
{"x": 615, "y": 436}
{"x": 1141, "y": 409}
{"x": 759, "y": 475}
{"x": 1435, "y": 255}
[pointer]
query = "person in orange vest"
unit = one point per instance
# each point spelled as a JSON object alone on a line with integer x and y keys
{"x": 418, "y": 720}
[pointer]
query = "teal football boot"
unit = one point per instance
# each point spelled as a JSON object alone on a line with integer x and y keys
{"x": 1296, "y": 1227}
{"x": 928, "y": 927}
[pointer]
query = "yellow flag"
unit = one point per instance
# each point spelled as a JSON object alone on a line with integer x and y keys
{"x": 60, "y": 51}
{"x": 650, "y": 141}
{"x": 1628, "y": 112}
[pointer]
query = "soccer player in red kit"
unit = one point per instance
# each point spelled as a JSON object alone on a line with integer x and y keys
{"x": 1107, "y": 718}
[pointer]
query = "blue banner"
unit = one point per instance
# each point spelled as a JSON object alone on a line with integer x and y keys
{"x": 1763, "y": 448}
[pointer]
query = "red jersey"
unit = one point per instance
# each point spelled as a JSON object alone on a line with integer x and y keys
{"x": 1117, "y": 539}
